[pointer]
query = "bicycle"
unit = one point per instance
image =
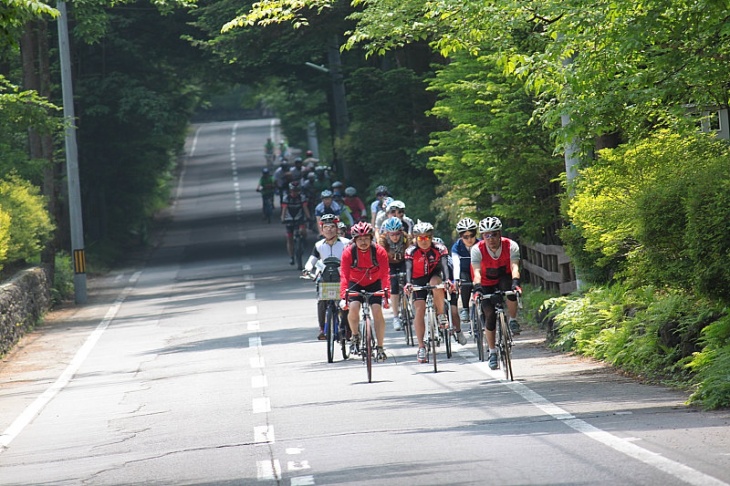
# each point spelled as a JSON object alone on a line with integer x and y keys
{"x": 434, "y": 333}
{"x": 329, "y": 292}
{"x": 405, "y": 312}
{"x": 297, "y": 240}
{"x": 367, "y": 339}
{"x": 268, "y": 206}
{"x": 503, "y": 333}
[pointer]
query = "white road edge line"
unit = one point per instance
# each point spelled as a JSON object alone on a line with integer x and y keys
{"x": 35, "y": 408}
{"x": 624, "y": 446}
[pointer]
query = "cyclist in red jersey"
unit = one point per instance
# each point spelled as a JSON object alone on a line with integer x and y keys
{"x": 365, "y": 267}
{"x": 495, "y": 262}
{"x": 426, "y": 264}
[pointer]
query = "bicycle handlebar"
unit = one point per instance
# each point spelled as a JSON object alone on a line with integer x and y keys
{"x": 429, "y": 287}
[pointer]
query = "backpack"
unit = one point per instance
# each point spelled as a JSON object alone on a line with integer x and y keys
{"x": 331, "y": 271}
{"x": 373, "y": 255}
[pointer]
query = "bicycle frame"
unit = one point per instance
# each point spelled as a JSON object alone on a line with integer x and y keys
{"x": 405, "y": 311}
{"x": 434, "y": 336}
{"x": 503, "y": 334}
{"x": 367, "y": 340}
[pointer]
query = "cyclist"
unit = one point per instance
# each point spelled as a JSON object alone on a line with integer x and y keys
{"x": 495, "y": 262}
{"x": 426, "y": 263}
{"x": 294, "y": 212}
{"x": 297, "y": 172}
{"x": 453, "y": 299}
{"x": 327, "y": 206}
{"x": 331, "y": 245}
{"x": 281, "y": 178}
{"x": 267, "y": 188}
{"x": 461, "y": 256}
{"x": 397, "y": 209}
{"x": 365, "y": 267}
{"x": 269, "y": 151}
{"x": 342, "y": 229}
{"x": 357, "y": 207}
{"x": 395, "y": 242}
{"x": 381, "y": 192}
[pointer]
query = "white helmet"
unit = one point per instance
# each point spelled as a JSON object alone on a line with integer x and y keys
{"x": 422, "y": 227}
{"x": 466, "y": 224}
{"x": 490, "y": 224}
{"x": 350, "y": 192}
{"x": 396, "y": 205}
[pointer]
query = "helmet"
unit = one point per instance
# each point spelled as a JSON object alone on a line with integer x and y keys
{"x": 381, "y": 190}
{"x": 311, "y": 176}
{"x": 490, "y": 224}
{"x": 294, "y": 186}
{"x": 350, "y": 192}
{"x": 309, "y": 153}
{"x": 326, "y": 193}
{"x": 436, "y": 239}
{"x": 341, "y": 225}
{"x": 298, "y": 160}
{"x": 396, "y": 205}
{"x": 362, "y": 228}
{"x": 422, "y": 227}
{"x": 337, "y": 185}
{"x": 387, "y": 201}
{"x": 328, "y": 219}
{"x": 265, "y": 170}
{"x": 391, "y": 224}
{"x": 284, "y": 163}
{"x": 466, "y": 224}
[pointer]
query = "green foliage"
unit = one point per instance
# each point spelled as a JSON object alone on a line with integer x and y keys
{"x": 63, "y": 278}
{"x": 4, "y": 235}
{"x": 712, "y": 366}
{"x": 492, "y": 159}
{"x": 658, "y": 211}
{"x": 29, "y": 225}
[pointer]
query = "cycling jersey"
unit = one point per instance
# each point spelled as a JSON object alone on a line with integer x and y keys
{"x": 461, "y": 254}
{"x": 323, "y": 250}
{"x": 396, "y": 251}
{"x": 425, "y": 262}
{"x": 495, "y": 266}
{"x": 334, "y": 208}
{"x": 367, "y": 271}
{"x": 294, "y": 206}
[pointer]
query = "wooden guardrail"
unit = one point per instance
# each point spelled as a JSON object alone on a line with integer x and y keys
{"x": 549, "y": 267}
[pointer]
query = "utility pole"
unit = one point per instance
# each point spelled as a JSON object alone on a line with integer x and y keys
{"x": 72, "y": 159}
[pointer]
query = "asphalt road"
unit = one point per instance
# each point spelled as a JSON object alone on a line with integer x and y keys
{"x": 199, "y": 364}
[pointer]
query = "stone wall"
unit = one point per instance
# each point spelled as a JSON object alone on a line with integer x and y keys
{"x": 23, "y": 302}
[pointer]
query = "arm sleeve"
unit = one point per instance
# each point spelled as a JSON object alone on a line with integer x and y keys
{"x": 409, "y": 270}
{"x": 444, "y": 260}
{"x": 345, "y": 271}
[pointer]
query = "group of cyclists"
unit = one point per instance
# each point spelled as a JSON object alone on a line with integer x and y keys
{"x": 375, "y": 243}
{"x": 387, "y": 242}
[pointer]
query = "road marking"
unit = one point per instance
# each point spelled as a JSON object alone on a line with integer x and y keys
{"x": 268, "y": 470}
{"x": 302, "y": 481}
{"x": 259, "y": 381}
{"x": 254, "y": 342}
{"x": 250, "y": 296}
{"x": 39, "y": 403}
{"x": 253, "y": 325}
{"x": 257, "y": 362}
{"x": 673, "y": 468}
{"x": 263, "y": 433}
{"x": 261, "y": 405}
{"x": 252, "y": 309}
{"x": 297, "y": 465}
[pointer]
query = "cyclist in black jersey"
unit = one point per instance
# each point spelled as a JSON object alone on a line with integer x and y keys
{"x": 294, "y": 213}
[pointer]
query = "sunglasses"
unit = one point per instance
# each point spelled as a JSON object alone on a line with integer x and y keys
{"x": 423, "y": 237}
{"x": 467, "y": 236}
{"x": 394, "y": 211}
{"x": 490, "y": 235}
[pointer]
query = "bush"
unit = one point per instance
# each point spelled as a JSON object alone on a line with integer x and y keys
{"x": 29, "y": 226}
{"x": 4, "y": 235}
{"x": 712, "y": 366}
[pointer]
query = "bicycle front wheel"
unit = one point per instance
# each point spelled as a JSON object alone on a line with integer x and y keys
{"x": 330, "y": 332}
{"x": 369, "y": 348}
{"x": 406, "y": 320}
{"x": 343, "y": 336}
{"x": 504, "y": 347}
{"x": 433, "y": 337}
{"x": 479, "y": 333}
{"x": 298, "y": 250}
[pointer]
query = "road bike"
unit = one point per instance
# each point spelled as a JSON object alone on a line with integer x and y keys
{"x": 405, "y": 311}
{"x": 367, "y": 333}
{"x": 268, "y": 206}
{"x": 298, "y": 240}
{"x": 329, "y": 293}
{"x": 435, "y": 336}
{"x": 503, "y": 333}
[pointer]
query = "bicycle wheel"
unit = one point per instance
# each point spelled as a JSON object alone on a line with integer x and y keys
{"x": 432, "y": 338}
{"x": 479, "y": 333}
{"x": 446, "y": 335}
{"x": 298, "y": 249}
{"x": 369, "y": 349}
{"x": 503, "y": 347}
{"x": 406, "y": 320}
{"x": 473, "y": 320}
{"x": 342, "y": 336}
{"x": 329, "y": 329}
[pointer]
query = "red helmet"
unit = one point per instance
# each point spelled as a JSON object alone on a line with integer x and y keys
{"x": 362, "y": 228}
